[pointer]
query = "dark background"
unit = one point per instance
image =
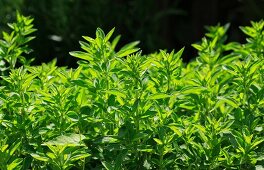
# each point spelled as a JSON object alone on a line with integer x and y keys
{"x": 158, "y": 24}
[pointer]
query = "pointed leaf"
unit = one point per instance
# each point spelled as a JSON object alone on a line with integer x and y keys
{"x": 124, "y": 53}
{"x": 158, "y": 141}
{"x": 158, "y": 96}
{"x": 68, "y": 139}
{"x": 81, "y": 55}
{"x": 40, "y": 158}
{"x": 108, "y": 35}
{"x": 129, "y": 46}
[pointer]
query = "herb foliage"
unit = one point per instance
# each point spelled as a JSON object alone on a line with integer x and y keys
{"x": 123, "y": 110}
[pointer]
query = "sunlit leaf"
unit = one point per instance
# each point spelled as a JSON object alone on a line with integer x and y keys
{"x": 158, "y": 96}
{"x": 67, "y": 139}
{"x": 158, "y": 141}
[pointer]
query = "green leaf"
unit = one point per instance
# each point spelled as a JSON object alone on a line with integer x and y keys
{"x": 107, "y": 139}
{"x": 115, "y": 41}
{"x": 229, "y": 59}
{"x": 14, "y": 148}
{"x": 107, "y": 165}
{"x": 230, "y": 101}
{"x": 124, "y": 53}
{"x": 179, "y": 53}
{"x": 248, "y": 138}
{"x": 193, "y": 90}
{"x": 116, "y": 93}
{"x": 146, "y": 150}
{"x": 256, "y": 142}
{"x": 187, "y": 105}
{"x": 77, "y": 72}
{"x": 120, "y": 100}
{"x": 89, "y": 39}
{"x": 248, "y": 31}
{"x": 80, "y": 156}
{"x": 108, "y": 35}
{"x": 73, "y": 116}
{"x": 54, "y": 150}
{"x": 129, "y": 46}
{"x": 254, "y": 66}
{"x": 4, "y": 147}
{"x": 71, "y": 139}
{"x": 40, "y": 158}
{"x": 158, "y": 96}
{"x": 15, "y": 164}
{"x": 202, "y": 132}
{"x": 81, "y": 55}
{"x": 175, "y": 130}
{"x": 198, "y": 47}
{"x": 158, "y": 141}
{"x": 100, "y": 34}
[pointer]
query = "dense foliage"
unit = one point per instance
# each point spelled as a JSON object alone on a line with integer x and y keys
{"x": 123, "y": 110}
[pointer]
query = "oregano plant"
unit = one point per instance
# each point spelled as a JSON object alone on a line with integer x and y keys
{"x": 123, "y": 109}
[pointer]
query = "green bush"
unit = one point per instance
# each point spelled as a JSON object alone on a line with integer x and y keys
{"x": 123, "y": 110}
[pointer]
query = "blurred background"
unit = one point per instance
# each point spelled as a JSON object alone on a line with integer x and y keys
{"x": 158, "y": 24}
